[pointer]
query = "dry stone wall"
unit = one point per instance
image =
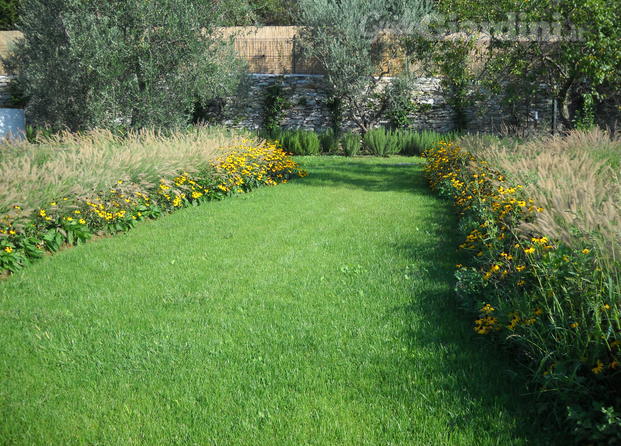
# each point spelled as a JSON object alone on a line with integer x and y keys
{"x": 307, "y": 97}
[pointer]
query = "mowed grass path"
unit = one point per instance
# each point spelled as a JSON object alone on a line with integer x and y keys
{"x": 318, "y": 312}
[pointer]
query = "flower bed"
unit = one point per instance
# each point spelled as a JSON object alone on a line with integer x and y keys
{"x": 27, "y": 235}
{"x": 556, "y": 307}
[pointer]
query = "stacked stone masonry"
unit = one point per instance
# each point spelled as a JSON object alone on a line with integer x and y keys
{"x": 307, "y": 96}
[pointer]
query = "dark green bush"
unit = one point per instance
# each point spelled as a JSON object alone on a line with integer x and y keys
{"x": 416, "y": 142}
{"x": 381, "y": 142}
{"x": 329, "y": 141}
{"x": 300, "y": 142}
{"x": 351, "y": 144}
{"x": 408, "y": 142}
{"x": 275, "y": 105}
{"x": 8, "y": 14}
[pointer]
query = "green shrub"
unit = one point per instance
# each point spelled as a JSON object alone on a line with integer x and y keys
{"x": 381, "y": 142}
{"x": 8, "y": 14}
{"x": 407, "y": 141}
{"x": 300, "y": 142}
{"x": 329, "y": 141}
{"x": 351, "y": 144}
{"x": 275, "y": 105}
{"x": 85, "y": 64}
{"x": 417, "y": 142}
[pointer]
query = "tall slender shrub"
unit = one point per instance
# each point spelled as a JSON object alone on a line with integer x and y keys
{"x": 381, "y": 142}
{"x": 329, "y": 141}
{"x": 351, "y": 144}
{"x": 300, "y": 142}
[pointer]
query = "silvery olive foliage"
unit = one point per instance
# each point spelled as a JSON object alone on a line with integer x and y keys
{"x": 352, "y": 40}
{"x": 121, "y": 63}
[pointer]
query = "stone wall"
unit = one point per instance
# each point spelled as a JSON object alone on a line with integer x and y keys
{"x": 307, "y": 97}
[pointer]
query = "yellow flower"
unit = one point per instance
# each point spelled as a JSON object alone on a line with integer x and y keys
{"x": 599, "y": 367}
{"x": 82, "y": 221}
{"x": 586, "y": 251}
{"x": 574, "y": 325}
{"x": 8, "y": 250}
{"x": 487, "y": 308}
{"x": 529, "y": 250}
{"x": 605, "y": 307}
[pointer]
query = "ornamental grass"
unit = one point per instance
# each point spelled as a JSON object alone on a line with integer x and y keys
{"x": 577, "y": 179}
{"x": 543, "y": 276}
{"x": 73, "y": 164}
{"x": 163, "y": 174}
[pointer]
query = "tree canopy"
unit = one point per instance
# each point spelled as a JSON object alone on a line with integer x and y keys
{"x": 8, "y": 14}
{"x": 121, "y": 63}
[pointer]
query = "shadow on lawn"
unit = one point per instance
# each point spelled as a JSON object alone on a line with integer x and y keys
{"x": 397, "y": 175}
{"x": 469, "y": 369}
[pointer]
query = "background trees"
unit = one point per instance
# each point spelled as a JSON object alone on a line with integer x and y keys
{"x": 582, "y": 68}
{"x": 348, "y": 39}
{"x": 8, "y": 14}
{"x": 121, "y": 63}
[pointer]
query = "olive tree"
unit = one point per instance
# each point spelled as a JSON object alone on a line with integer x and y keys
{"x": 354, "y": 41}
{"x": 8, "y": 14}
{"x": 128, "y": 63}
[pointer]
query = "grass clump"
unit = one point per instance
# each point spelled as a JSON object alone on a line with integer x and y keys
{"x": 574, "y": 177}
{"x": 32, "y": 175}
{"x": 417, "y": 142}
{"x": 381, "y": 142}
{"x": 329, "y": 141}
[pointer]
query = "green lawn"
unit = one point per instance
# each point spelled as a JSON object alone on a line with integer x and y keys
{"x": 318, "y": 312}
